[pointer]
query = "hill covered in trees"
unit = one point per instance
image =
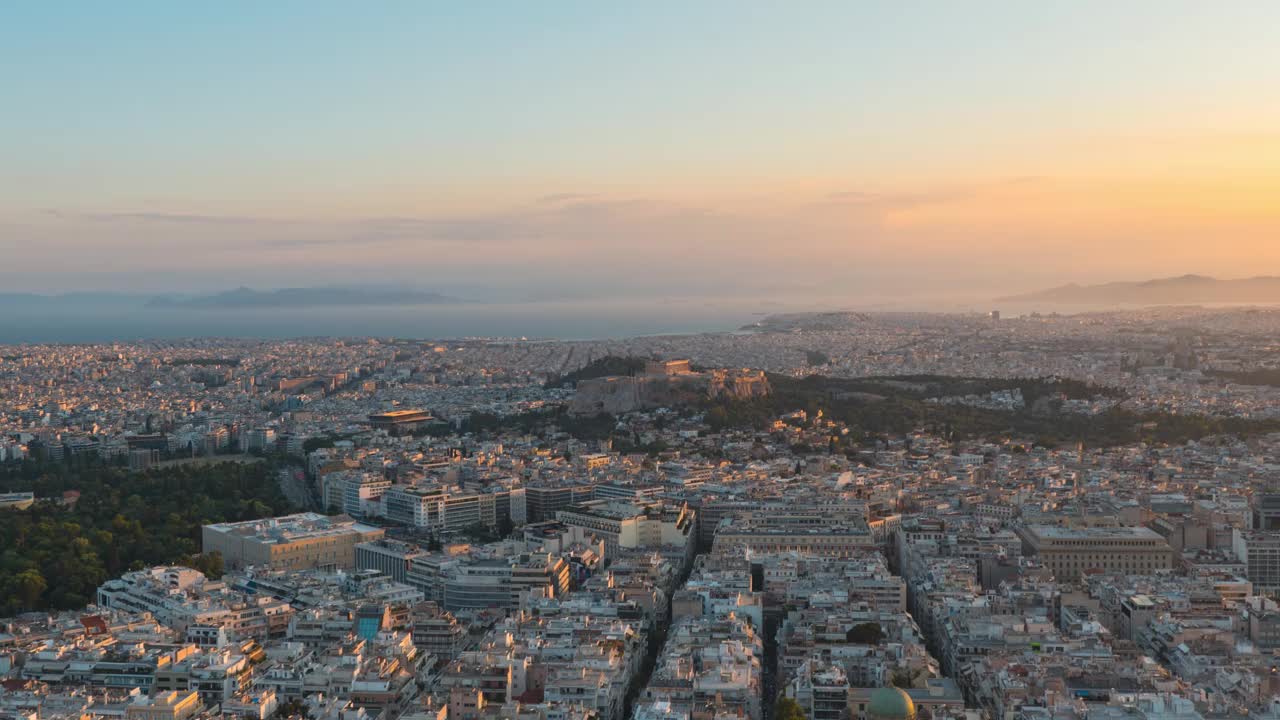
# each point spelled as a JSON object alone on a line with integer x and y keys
{"x": 601, "y": 367}
{"x": 897, "y": 405}
{"x": 874, "y": 407}
{"x": 54, "y": 556}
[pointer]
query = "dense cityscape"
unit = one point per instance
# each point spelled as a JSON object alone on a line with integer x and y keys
{"x": 835, "y": 516}
{"x": 574, "y": 360}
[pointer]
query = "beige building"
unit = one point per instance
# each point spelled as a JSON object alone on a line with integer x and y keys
{"x": 502, "y": 582}
{"x": 770, "y": 536}
{"x": 292, "y": 542}
{"x": 173, "y": 705}
{"x": 626, "y": 525}
{"x": 1070, "y": 552}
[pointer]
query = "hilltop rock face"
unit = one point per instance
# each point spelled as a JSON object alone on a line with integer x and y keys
{"x": 669, "y": 384}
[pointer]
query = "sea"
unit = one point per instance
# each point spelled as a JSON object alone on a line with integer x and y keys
{"x": 544, "y": 320}
{"x": 536, "y": 320}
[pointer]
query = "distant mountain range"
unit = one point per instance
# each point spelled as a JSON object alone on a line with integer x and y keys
{"x": 302, "y": 298}
{"x": 1183, "y": 290}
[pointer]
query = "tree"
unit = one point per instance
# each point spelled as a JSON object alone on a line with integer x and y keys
{"x": 211, "y": 564}
{"x": 865, "y": 634}
{"x": 30, "y": 585}
{"x": 907, "y": 677}
{"x": 480, "y": 533}
{"x": 788, "y": 709}
{"x": 54, "y": 556}
{"x": 816, "y": 357}
{"x": 316, "y": 443}
{"x": 216, "y": 566}
{"x": 505, "y": 526}
{"x": 601, "y": 367}
{"x": 293, "y": 709}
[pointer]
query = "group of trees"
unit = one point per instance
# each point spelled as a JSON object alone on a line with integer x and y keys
{"x": 868, "y": 633}
{"x": 879, "y": 407}
{"x": 211, "y": 564}
{"x": 295, "y": 708}
{"x": 876, "y": 407}
{"x": 323, "y": 441}
{"x": 542, "y": 421}
{"x": 1262, "y": 376}
{"x": 607, "y": 366}
{"x": 630, "y": 443}
{"x": 788, "y": 709}
{"x": 582, "y": 427}
{"x": 815, "y": 358}
{"x": 481, "y": 533}
{"x": 54, "y": 555}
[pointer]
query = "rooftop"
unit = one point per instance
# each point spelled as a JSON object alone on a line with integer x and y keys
{"x": 1053, "y": 532}
{"x": 289, "y": 528}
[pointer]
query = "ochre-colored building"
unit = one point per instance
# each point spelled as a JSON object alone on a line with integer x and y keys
{"x": 293, "y": 542}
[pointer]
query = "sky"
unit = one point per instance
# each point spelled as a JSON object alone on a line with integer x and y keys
{"x": 553, "y": 150}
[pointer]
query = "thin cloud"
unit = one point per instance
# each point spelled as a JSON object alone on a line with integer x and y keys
{"x": 161, "y": 217}
{"x": 891, "y": 200}
{"x": 186, "y": 218}
{"x": 557, "y": 198}
{"x": 312, "y": 242}
{"x": 929, "y": 197}
{"x": 479, "y": 228}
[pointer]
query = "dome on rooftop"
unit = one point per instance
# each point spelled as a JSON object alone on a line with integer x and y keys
{"x": 890, "y": 703}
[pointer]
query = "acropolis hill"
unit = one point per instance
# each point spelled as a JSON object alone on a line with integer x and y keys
{"x": 664, "y": 383}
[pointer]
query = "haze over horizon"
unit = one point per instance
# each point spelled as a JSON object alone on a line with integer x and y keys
{"x": 575, "y": 151}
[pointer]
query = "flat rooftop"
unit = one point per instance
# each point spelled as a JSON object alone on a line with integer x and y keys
{"x": 289, "y": 528}
{"x": 609, "y": 509}
{"x": 1054, "y": 532}
{"x": 400, "y": 415}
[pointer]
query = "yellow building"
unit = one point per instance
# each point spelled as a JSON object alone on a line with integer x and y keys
{"x": 292, "y": 542}
{"x": 173, "y": 705}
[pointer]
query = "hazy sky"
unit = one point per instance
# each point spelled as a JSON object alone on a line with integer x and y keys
{"x": 565, "y": 148}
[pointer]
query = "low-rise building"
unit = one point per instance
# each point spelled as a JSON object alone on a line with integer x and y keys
{"x": 292, "y": 542}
